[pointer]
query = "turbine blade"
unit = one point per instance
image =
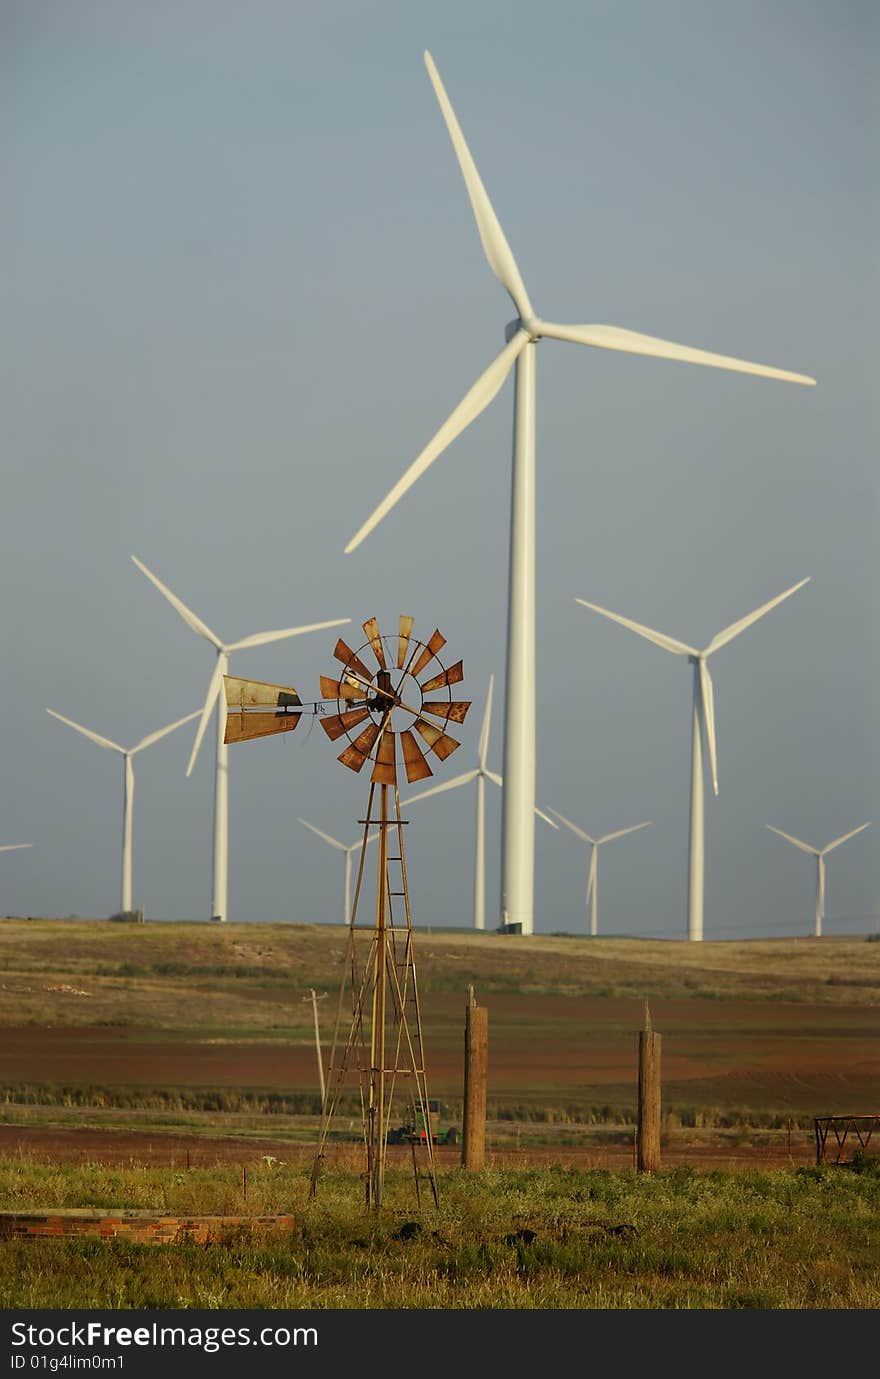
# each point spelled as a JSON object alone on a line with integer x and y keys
{"x": 804, "y": 847}
{"x": 343, "y": 652}
{"x": 162, "y": 732}
{"x": 441, "y": 744}
{"x": 452, "y": 676}
{"x": 435, "y": 643}
{"x": 454, "y": 710}
{"x": 187, "y": 614}
{"x": 13, "y": 847}
{"x": 263, "y": 638}
{"x": 574, "y": 828}
{"x": 371, "y": 632}
{"x": 439, "y": 789}
{"x": 214, "y": 685}
{"x": 357, "y": 753}
{"x": 338, "y": 689}
{"x": 340, "y": 722}
{"x": 334, "y": 842}
{"x": 495, "y": 246}
{"x": 622, "y": 832}
{"x": 736, "y": 627}
{"x": 837, "y": 841}
{"x": 658, "y": 638}
{"x": 385, "y": 768}
{"x": 707, "y": 695}
{"x": 87, "y": 732}
{"x": 404, "y": 632}
{"x": 475, "y": 401}
{"x": 483, "y": 749}
{"x": 417, "y": 767}
{"x": 631, "y": 342}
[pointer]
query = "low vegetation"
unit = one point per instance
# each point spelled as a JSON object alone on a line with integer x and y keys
{"x": 553, "y": 1238}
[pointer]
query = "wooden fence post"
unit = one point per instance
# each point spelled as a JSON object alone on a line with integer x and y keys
{"x": 476, "y": 1069}
{"x": 649, "y": 1097}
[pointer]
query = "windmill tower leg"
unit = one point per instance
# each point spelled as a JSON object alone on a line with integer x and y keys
{"x": 696, "y": 848}
{"x": 518, "y": 829}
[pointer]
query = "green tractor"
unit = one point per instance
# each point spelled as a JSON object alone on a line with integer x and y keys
{"x": 409, "y": 1133}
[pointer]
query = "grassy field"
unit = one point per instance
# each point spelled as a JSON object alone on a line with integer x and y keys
{"x": 501, "y": 1239}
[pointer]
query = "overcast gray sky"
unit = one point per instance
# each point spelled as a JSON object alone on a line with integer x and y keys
{"x": 242, "y": 288}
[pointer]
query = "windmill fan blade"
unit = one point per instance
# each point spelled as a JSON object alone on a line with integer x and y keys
{"x": 454, "y": 710}
{"x": 404, "y": 632}
{"x": 87, "y": 732}
{"x": 447, "y": 677}
{"x": 435, "y": 643}
{"x": 371, "y": 632}
{"x": 441, "y": 744}
{"x": 341, "y": 722}
{"x": 728, "y": 634}
{"x": 340, "y": 689}
{"x": 622, "y": 832}
{"x": 385, "y": 769}
{"x": 334, "y": 842}
{"x": 214, "y": 685}
{"x": 163, "y": 732}
{"x": 798, "y": 842}
{"x": 483, "y": 749}
{"x": 189, "y": 617}
{"x": 417, "y": 767}
{"x": 495, "y": 246}
{"x": 350, "y": 660}
{"x": 658, "y": 638}
{"x": 355, "y": 755}
{"x": 475, "y": 401}
{"x": 845, "y": 838}
{"x": 579, "y": 832}
{"x": 241, "y": 727}
{"x": 631, "y": 342}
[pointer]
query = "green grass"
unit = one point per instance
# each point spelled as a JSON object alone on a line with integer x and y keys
{"x": 800, "y": 1239}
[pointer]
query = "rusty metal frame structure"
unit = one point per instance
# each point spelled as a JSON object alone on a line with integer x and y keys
{"x": 378, "y": 994}
{"x": 861, "y": 1127}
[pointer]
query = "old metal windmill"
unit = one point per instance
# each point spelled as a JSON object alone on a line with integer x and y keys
{"x": 409, "y": 692}
{"x": 385, "y": 1042}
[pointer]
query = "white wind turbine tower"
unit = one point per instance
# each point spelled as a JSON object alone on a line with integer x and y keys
{"x": 215, "y": 685}
{"x": 703, "y": 718}
{"x": 820, "y": 854}
{"x": 593, "y": 872}
{"x": 128, "y": 802}
{"x": 481, "y": 774}
{"x": 349, "y": 853}
{"x": 523, "y": 334}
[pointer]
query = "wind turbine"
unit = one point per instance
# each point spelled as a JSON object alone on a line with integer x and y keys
{"x": 522, "y": 335}
{"x": 703, "y": 717}
{"x": 128, "y": 802}
{"x": 592, "y": 874}
{"x": 820, "y": 854}
{"x": 481, "y": 774}
{"x": 349, "y": 853}
{"x": 215, "y": 684}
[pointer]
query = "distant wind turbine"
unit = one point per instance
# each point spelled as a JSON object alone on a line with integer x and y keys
{"x": 349, "y": 851}
{"x": 703, "y": 719}
{"x": 523, "y": 335}
{"x": 593, "y": 872}
{"x": 215, "y": 684}
{"x": 820, "y": 854}
{"x": 481, "y": 774}
{"x": 128, "y": 800}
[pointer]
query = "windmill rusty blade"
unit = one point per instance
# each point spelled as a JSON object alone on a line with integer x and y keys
{"x": 435, "y": 643}
{"x": 414, "y": 761}
{"x": 446, "y": 677}
{"x": 350, "y": 659}
{"x": 371, "y": 632}
{"x": 250, "y": 705}
{"x": 356, "y": 755}
{"x": 454, "y": 710}
{"x": 441, "y": 744}
{"x": 340, "y": 723}
{"x": 340, "y": 689}
{"x": 385, "y": 769}
{"x": 405, "y": 626}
